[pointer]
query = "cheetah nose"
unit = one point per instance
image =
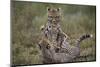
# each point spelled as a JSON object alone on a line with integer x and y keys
{"x": 54, "y": 20}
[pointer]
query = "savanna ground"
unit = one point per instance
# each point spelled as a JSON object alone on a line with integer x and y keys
{"x": 27, "y": 18}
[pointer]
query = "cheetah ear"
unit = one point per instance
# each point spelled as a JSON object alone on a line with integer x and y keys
{"x": 48, "y": 8}
{"x": 58, "y": 9}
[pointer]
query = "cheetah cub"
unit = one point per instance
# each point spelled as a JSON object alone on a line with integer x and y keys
{"x": 52, "y": 32}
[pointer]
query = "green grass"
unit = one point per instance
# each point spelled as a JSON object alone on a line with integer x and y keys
{"x": 27, "y": 17}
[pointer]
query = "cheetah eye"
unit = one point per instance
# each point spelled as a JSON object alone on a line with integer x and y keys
{"x": 57, "y": 17}
{"x": 50, "y": 17}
